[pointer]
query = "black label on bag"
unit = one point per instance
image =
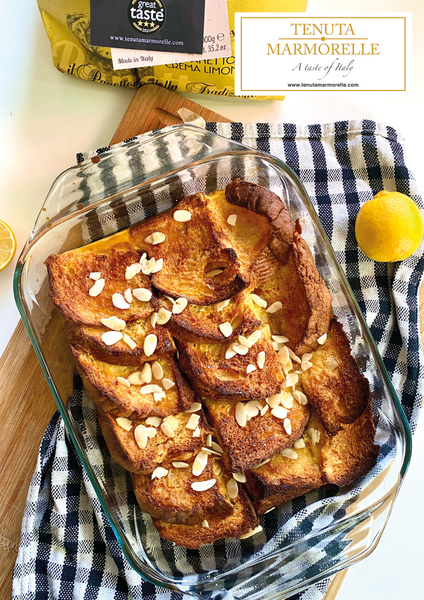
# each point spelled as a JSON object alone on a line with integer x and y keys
{"x": 162, "y": 25}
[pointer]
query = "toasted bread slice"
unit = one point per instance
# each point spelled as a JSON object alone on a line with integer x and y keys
{"x": 193, "y": 249}
{"x": 89, "y": 340}
{"x": 160, "y": 449}
{"x": 264, "y": 202}
{"x": 199, "y": 324}
{"x": 240, "y": 521}
{"x": 70, "y": 284}
{"x": 351, "y": 453}
{"x": 261, "y": 437}
{"x": 101, "y": 382}
{"x": 283, "y": 478}
{"x": 214, "y": 376}
{"x": 306, "y": 302}
{"x": 334, "y": 385}
{"x": 172, "y": 499}
{"x": 338, "y": 460}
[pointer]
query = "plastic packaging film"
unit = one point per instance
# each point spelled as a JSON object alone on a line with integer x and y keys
{"x": 67, "y": 23}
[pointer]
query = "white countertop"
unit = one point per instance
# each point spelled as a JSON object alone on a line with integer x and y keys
{"x": 46, "y": 117}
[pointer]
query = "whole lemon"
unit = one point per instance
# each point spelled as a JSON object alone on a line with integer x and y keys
{"x": 389, "y": 227}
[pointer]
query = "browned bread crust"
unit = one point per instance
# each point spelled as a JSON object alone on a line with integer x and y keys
{"x": 212, "y": 245}
{"x": 334, "y": 385}
{"x": 70, "y": 284}
{"x": 264, "y": 202}
{"x": 89, "y": 340}
{"x": 172, "y": 499}
{"x": 262, "y": 437}
{"x": 160, "y": 450}
{"x": 198, "y": 324}
{"x": 242, "y": 520}
{"x": 214, "y": 376}
{"x": 100, "y": 381}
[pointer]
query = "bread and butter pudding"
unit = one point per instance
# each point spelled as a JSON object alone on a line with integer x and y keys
{"x": 222, "y": 382}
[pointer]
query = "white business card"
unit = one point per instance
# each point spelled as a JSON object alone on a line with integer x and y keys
{"x": 283, "y": 52}
{"x": 216, "y": 43}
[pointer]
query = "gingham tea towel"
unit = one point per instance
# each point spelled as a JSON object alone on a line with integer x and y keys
{"x": 68, "y": 548}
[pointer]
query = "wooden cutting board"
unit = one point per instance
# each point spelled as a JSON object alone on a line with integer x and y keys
{"x": 27, "y": 404}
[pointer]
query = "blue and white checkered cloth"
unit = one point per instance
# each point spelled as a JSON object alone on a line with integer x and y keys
{"x": 68, "y": 548}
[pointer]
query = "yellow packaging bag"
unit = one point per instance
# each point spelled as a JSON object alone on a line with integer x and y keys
{"x": 67, "y": 23}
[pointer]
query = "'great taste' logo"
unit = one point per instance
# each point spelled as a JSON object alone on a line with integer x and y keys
{"x": 147, "y": 17}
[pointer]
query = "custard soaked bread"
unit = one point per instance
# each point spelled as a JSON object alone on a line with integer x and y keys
{"x": 264, "y": 390}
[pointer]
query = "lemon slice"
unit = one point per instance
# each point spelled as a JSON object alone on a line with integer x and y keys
{"x": 7, "y": 245}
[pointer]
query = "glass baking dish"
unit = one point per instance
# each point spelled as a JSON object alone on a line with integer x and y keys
{"x": 303, "y": 541}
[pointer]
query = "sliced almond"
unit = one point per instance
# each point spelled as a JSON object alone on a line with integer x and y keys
{"x": 157, "y": 396}
{"x": 182, "y": 216}
{"x": 244, "y": 341}
{"x": 151, "y": 432}
{"x": 305, "y": 365}
{"x": 196, "y": 432}
{"x": 154, "y": 421}
{"x": 274, "y": 400}
{"x": 194, "y": 407}
{"x": 241, "y": 414}
{"x": 230, "y": 352}
{"x": 179, "y": 464}
{"x": 240, "y": 477}
{"x": 172, "y": 422}
{"x": 155, "y": 238}
{"x": 251, "y": 408}
{"x": 159, "y": 472}
{"x": 146, "y": 373}
{"x": 171, "y": 300}
{"x": 147, "y": 266}
{"x": 279, "y": 412}
{"x": 95, "y": 275}
{"x": 283, "y": 355}
{"x": 287, "y": 367}
{"x": 240, "y": 349}
{"x": 129, "y": 342}
{"x": 140, "y": 435}
{"x": 232, "y": 220}
{"x": 288, "y": 426}
{"x": 226, "y": 328}
{"x": 136, "y": 267}
{"x": 157, "y": 371}
{"x": 167, "y": 383}
{"x": 258, "y": 300}
{"x": 128, "y": 295}
{"x": 217, "y": 447}
{"x": 179, "y": 306}
{"x": 111, "y": 337}
{"x": 157, "y": 266}
{"x": 150, "y": 344}
{"x": 135, "y": 378}
{"x": 281, "y": 339}
{"x": 143, "y": 258}
{"x": 291, "y": 379}
{"x": 212, "y": 452}
{"x": 300, "y": 397}
{"x": 232, "y": 488}
{"x": 202, "y": 486}
{"x": 150, "y": 389}
{"x": 119, "y": 301}
{"x": 114, "y": 323}
{"x": 163, "y": 316}
{"x": 274, "y": 308}
{"x": 124, "y": 423}
{"x": 254, "y": 337}
{"x": 97, "y": 288}
{"x": 123, "y": 381}
{"x": 289, "y": 453}
{"x": 321, "y": 340}
{"x": 251, "y": 532}
{"x": 250, "y": 368}
{"x": 264, "y": 410}
{"x": 286, "y": 400}
{"x": 299, "y": 444}
{"x": 142, "y": 294}
{"x": 294, "y": 356}
{"x": 314, "y": 434}
{"x": 208, "y": 439}
{"x": 222, "y": 304}
{"x": 129, "y": 273}
{"x": 193, "y": 421}
{"x": 214, "y": 273}
{"x": 202, "y": 458}
{"x": 277, "y": 346}
{"x": 205, "y": 523}
{"x": 167, "y": 430}
{"x": 306, "y": 356}
{"x": 260, "y": 359}
{"x": 153, "y": 319}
